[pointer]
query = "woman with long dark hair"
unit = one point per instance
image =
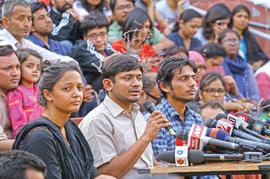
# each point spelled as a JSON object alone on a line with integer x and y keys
{"x": 137, "y": 29}
{"x": 184, "y": 30}
{"x": 87, "y": 7}
{"x": 215, "y": 21}
{"x": 250, "y": 50}
{"x": 54, "y": 137}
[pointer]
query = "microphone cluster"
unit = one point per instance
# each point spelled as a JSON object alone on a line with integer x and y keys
{"x": 232, "y": 137}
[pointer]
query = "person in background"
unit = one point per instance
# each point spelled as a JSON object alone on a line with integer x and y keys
{"x": 121, "y": 10}
{"x": 23, "y": 101}
{"x": 18, "y": 164}
{"x": 119, "y": 132}
{"x": 9, "y": 79}
{"x": 66, "y": 22}
{"x": 170, "y": 10}
{"x": 235, "y": 66}
{"x": 200, "y": 63}
{"x": 150, "y": 88}
{"x": 87, "y": 7}
{"x": 42, "y": 27}
{"x": 213, "y": 88}
{"x": 54, "y": 137}
{"x": 92, "y": 50}
{"x": 215, "y": 21}
{"x": 214, "y": 55}
{"x": 17, "y": 23}
{"x": 150, "y": 92}
{"x": 137, "y": 29}
{"x": 176, "y": 81}
{"x": 211, "y": 109}
{"x": 249, "y": 50}
{"x": 91, "y": 53}
{"x": 10, "y": 75}
{"x": 262, "y": 76}
{"x": 185, "y": 28}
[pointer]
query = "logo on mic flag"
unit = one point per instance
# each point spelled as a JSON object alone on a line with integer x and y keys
{"x": 225, "y": 125}
{"x": 196, "y": 134}
{"x": 181, "y": 156}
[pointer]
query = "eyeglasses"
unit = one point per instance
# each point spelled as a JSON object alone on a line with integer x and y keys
{"x": 212, "y": 91}
{"x": 94, "y": 36}
{"x": 222, "y": 22}
{"x": 231, "y": 41}
{"x": 122, "y": 7}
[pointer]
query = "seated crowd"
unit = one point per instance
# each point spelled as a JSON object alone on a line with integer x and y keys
{"x": 100, "y": 61}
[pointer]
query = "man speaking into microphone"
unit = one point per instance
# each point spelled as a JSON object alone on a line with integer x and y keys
{"x": 176, "y": 81}
{"x": 120, "y": 136}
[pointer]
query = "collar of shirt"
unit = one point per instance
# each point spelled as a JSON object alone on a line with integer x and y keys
{"x": 12, "y": 41}
{"x": 9, "y": 38}
{"x": 116, "y": 110}
{"x": 169, "y": 111}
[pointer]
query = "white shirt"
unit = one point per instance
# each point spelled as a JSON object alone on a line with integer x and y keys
{"x": 7, "y": 38}
{"x": 110, "y": 132}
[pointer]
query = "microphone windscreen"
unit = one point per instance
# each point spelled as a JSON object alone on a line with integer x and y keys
{"x": 195, "y": 156}
{"x": 149, "y": 107}
{"x": 217, "y": 133}
{"x": 167, "y": 156}
{"x": 220, "y": 116}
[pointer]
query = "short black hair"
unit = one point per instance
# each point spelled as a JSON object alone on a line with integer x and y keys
{"x": 223, "y": 34}
{"x": 95, "y": 20}
{"x": 37, "y": 6}
{"x": 113, "y": 4}
{"x": 212, "y": 50}
{"x": 6, "y": 50}
{"x": 186, "y": 16}
{"x": 13, "y": 164}
{"x": 119, "y": 63}
{"x": 169, "y": 66}
{"x": 209, "y": 78}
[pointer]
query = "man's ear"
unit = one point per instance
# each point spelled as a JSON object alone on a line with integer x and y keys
{"x": 5, "y": 22}
{"x": 107, "y": 84}
{"x": 164, "y": 87}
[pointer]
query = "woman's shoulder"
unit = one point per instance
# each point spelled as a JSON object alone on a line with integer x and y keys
{"x": 37, "y": 135}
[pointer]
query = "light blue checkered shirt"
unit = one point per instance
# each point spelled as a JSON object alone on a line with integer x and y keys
{"x": 164, "y": 141}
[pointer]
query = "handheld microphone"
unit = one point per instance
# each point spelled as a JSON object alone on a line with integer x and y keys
{"x": 150, "y": 107}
